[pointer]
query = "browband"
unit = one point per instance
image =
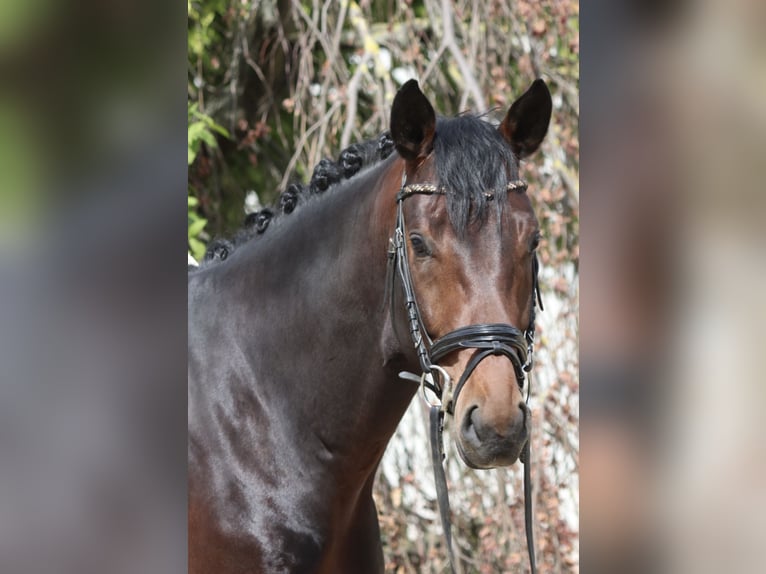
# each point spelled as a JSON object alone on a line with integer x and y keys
{"x": 431, "y": 189}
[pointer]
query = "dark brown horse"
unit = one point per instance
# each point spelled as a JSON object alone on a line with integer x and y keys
{"x": 297, "y": 337}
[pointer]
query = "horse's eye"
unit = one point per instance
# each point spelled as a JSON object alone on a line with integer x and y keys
{"x": 535, "y": 242}
{"x": 419, "y": 245}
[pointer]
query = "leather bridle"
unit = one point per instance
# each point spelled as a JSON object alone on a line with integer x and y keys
{"x": 487, "y": 338}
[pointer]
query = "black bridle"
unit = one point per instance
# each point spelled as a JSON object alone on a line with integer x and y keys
{"x": 487, "y": 338}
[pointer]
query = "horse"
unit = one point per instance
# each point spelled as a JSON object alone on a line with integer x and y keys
{"x": 297, "y": 337}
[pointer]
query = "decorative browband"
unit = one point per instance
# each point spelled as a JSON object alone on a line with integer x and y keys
{"x": 431, "y": 189}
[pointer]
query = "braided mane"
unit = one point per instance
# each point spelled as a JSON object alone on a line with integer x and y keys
{"x": 327, "y": 173}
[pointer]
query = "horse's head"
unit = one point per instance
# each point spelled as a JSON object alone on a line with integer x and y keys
{"x": 470, "y": 235}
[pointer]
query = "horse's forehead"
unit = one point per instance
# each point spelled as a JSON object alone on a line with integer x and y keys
{"x": 508, "y": 227}
{"x": 515, "y": 218}
{"x": 520, "y": 211}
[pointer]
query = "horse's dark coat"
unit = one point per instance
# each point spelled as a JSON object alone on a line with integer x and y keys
{"x": 293, "y": 362}
{"x": 265, "y": 361}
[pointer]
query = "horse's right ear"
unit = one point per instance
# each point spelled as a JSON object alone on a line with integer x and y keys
{"x": 413, "y": 122}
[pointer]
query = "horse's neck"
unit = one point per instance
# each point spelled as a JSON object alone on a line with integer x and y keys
{"x": 315, "y": 312}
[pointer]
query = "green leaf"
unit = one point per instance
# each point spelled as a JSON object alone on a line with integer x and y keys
{"x": 220, "y": 129}
{"x": 195, "y": 131}
{"x": 208, "y": 138}
{"x": 197, "y": 248}
{"x": 197, "y": 226}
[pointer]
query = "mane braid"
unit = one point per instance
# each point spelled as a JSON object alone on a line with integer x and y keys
{"x": 326, "y": 175}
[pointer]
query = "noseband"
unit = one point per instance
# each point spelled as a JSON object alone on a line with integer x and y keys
{"x": 487, "y": 338}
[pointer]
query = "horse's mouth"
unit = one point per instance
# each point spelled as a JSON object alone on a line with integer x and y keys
{"x": 494, "y": 455}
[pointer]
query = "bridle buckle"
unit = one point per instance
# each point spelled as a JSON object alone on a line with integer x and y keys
{"x": 442, "y": 392}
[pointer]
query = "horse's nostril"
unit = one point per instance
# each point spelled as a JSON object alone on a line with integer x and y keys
{"x": 525, "y": 414}
{"x": 468, "y": 418}
{"x": 470, "y": 422}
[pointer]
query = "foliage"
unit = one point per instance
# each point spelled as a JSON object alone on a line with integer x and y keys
{"x": 201, "y": 130}
{"x": 196, "y": 225}
{"x": 294, "y": 82}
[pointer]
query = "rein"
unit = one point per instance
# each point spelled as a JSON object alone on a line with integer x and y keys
{"x": 487, "y": 338}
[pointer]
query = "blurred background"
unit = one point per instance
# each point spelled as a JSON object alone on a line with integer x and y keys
{"x": 674, "y": 107}
{"x": 274, "y": 87}
{"x": 94, "y": 221}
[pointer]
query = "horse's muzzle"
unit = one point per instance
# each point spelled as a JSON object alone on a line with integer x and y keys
{"x": 482, "y": 444}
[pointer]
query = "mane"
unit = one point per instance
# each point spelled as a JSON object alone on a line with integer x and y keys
{"x": 326, "y": 175}
{"x": 471, "y": 158}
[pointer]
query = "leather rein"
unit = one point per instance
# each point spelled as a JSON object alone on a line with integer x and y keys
{"x": 487, "y": 338}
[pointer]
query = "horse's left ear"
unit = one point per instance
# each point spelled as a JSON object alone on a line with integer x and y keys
{"x": 526, "y": 123}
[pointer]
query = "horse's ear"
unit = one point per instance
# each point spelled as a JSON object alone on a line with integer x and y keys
{"x": 526, "y": 123}
{"x": 413, "y": 122}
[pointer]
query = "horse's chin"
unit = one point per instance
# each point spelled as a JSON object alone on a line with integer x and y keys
{"x": 485, "y": 459}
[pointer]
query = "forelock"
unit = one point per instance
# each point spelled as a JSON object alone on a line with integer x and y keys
{"x": 472, "y": 159}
